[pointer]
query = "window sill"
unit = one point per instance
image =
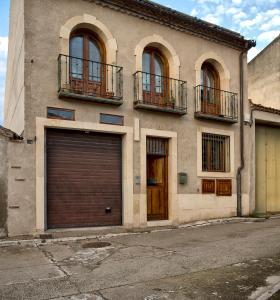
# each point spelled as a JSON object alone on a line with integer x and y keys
{"x": 229, "y": 175}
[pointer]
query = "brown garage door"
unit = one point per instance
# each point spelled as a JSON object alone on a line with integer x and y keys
{"x": 83, "y": 179}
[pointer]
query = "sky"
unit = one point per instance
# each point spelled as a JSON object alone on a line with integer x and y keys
{"x": 254, "y": 19}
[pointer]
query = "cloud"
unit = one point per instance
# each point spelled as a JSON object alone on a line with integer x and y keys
{"x": 3, "y": 63}
{"x": 237, "y": 2}
{"x": 220, "y": 9}
{"x": 239, "y": 16}
{"x": 3, "y": 45}
{"x": 2, "y": 94}
{"x": 253, "y": 52}
{"x": 2, "y": 66}
{"x": 232, "y": 11}
{"x": 212, "y": 19}
{"x": 268, "y": 36}
{"x": 253, "y": 9}
{"x": 272, "y": 12}
{"x": 274, "y": 22}
{"x": 251, "y": 22}
{"x": 209, "y": 1}
{"x": 194, "y": 12}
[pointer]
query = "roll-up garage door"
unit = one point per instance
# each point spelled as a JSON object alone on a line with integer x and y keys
{"x": 84, "y": 184}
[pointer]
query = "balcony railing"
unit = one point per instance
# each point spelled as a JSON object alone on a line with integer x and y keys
{"x": 89, "y": 80}
{"x": 216, "y": 104}
{"x": 153, "y": 92}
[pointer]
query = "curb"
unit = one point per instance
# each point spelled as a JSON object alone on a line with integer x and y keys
{"x": 40, "y": 241}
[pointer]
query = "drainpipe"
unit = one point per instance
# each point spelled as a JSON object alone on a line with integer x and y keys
{"x": 241, "y": 167}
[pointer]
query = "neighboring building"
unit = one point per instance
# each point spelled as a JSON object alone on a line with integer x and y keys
{"x": 3, "y": 181}
{"x": 130, "y": 114}
{"x": 264, "y": 92}
{"x": 6, "y": 136}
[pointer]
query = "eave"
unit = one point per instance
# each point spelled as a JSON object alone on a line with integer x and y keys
{"x": 151, "y": 11}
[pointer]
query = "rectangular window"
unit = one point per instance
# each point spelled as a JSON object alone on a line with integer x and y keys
{"x": 157, "y": 146}
{"x": 59, "y": 113}
{"x": 111, "y": 119}
{"x": 215, "y": 153}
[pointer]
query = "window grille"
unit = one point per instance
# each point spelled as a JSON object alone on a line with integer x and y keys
{"x": 215, "y": 153}
{"x": 157, "y": 146}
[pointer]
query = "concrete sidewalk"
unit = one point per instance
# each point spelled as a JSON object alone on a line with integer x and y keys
{"x": 222, "y": 261}
{"x": 75, "y": 234}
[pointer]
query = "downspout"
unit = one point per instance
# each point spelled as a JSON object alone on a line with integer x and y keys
{"x": 242, "y": 164}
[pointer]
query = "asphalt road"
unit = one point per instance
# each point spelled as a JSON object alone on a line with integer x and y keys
{"x": 227, "y": 261}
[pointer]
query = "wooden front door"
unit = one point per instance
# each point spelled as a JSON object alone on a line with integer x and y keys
{"x": 157, "y": 179}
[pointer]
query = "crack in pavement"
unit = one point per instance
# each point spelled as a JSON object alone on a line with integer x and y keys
{"x": 53, "y": 261}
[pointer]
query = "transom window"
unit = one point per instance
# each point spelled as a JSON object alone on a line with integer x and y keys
{"x": 215, "y": 153}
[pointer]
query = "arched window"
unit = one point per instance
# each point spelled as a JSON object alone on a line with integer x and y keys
{"x": 155, "y": 73}
{"x": 210, "y": 88}
{"x": 87, "y": 59}
{"x": 210, "y": 76}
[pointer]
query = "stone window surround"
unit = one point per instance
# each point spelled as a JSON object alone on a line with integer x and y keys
{"x": 203, "y": 174}
{"x": 167, "y": 49}
{"x": 91, "y": 22}
{"x": 219, "y": 65}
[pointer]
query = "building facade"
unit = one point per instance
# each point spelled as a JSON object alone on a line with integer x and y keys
{"x": 263, "y": 118}
{"x": 8, "y": 139}
{"x": 130, "y": 115}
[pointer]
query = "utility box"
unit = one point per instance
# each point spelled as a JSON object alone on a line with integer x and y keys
{"x": 183, "y": 178}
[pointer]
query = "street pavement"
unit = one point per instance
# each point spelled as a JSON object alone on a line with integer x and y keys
{"x": 225, "y": 261}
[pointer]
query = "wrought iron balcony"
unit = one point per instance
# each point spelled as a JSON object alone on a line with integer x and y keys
{"x": 216, "y": 104}
{"x": 159, "y": 93}
{"x": 89, "y": 80}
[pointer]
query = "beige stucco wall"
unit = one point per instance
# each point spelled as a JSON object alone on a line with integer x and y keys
{"x": 21, "y": 187}
{"x": 3, "y": 184}
{"x": 264, "y": 76}
{"x": 14, "y": 93}
{"x": 43, "y": 45}
{"x": 264, "y": 89}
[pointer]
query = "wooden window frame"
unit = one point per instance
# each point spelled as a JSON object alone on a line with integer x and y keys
{"x": 207, "y": 68}
{"x": 88, "y": 36}
{"x": 215, "y": 141}
{"x": 209, "y": 106}
{"x": 155, "y": 51}
{"x": 152, "y": 51}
